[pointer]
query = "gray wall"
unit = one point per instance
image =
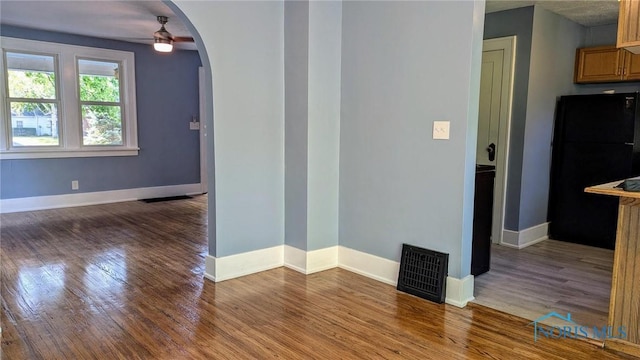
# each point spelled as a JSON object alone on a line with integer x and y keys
{"x": 550, "y": 75}
{"x": 296, "y": 109}
{"x": 312, "y": 32}
{"x": 167, "y": 97}
{"x": 245, "y": 44}
{"x": 518, "y": 22}
{"x": 404, "y": 65}
{"x": 325, "y": 40}
{"x": 601, "y": 35}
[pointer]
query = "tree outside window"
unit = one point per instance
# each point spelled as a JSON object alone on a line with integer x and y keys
{"x": 100, "y": 102}
{"x": 33, "y": 99}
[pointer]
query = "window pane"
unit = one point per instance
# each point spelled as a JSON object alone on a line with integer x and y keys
{"x": 99, "y": 81}
{"x": 34, "y": 124}
{"x": 31, "y": 76}
{"x": 101, "y": 125}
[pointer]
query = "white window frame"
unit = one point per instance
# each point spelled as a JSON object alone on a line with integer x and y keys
{"x": 70, "y": 123}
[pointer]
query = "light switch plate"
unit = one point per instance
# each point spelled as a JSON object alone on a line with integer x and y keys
{"x": 441, "y": 130}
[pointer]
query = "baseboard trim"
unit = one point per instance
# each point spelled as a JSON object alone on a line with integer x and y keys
{"x": 295, "y": 259}
{"x": 210, "y": 268}
{"x": 95, "y": 198}
{"x": 458, "y": 293}
{"x": 229, "y": 267}
{"x": 510, "y": 238}
{"x": 322, "y": 259}
{"x": 526, "y": 237}
{"x": 309, "y": 262}
{"x": 371, "y": 266}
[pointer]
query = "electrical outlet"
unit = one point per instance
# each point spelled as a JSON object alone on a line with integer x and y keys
{"x": 441, "y": 130}
{"x": 194, "y": 125}
{"x": 74, "y": 185}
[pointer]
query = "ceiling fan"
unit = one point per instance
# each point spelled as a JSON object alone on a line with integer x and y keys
{"x": 163, "y": 40}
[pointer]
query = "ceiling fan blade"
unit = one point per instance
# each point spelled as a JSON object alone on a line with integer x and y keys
{"x": 182, "y": 39}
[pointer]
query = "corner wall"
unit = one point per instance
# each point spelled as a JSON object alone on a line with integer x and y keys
{"x": 312, "y": 38}
{"x": 554, "y": 37}
{"x": 518, "y": 22}
{"x": 405, "y": 65}
{"x": 245, "y": 45}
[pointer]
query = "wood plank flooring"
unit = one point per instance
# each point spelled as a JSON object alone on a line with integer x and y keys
{"x": 125, "y": 281}
{"x": 549, "y": 276}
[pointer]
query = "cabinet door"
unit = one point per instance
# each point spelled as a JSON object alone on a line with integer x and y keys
{"x": 599, "y": 64}
{"x": 629, "y": 25}
{"x": 631, "y": 66}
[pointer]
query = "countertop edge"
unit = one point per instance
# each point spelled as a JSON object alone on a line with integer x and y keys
{"x": 611, "y": 190}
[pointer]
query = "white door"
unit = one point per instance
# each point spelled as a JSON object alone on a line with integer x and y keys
{"x": 489, "y": 113}
{"x": 496, "y": 90}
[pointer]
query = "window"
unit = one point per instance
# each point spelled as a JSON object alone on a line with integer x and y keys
{"x": 66, "y": 101}
{"x": 31, "y": 83}
{"x": 100, "y": 102}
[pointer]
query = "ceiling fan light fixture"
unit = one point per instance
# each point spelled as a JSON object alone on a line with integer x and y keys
{"x": 163, "y": 45}
{"x": 162, "y": 39}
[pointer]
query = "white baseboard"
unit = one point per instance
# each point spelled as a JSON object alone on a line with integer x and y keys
{"x": 233, "y": 266}
{"x": 459, "y": 291}
{"x": 309, "y": 262}
{"x": 322, "y": 259}
{"x": 371, "y": 266}
{"x": 368, "y": 265}
{"x": 94, "y": 198}
{"x": 295, "y": 259}
{"x": 526, "y": 237}
{"x": 210, "y": 268}
{"x": 510, "y": 238}
{"x": 228, "y": 267}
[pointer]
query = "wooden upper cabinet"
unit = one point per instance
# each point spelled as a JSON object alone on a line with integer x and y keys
{"x": 631, "y": 67}
{"x": 599, "y": 64}
{"x": 606, "y": 64}
{"x": 629, "y": 26}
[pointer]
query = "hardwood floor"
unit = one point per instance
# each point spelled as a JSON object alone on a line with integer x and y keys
{"x": 549, "y": 276}
{"x": 125, "y": 281}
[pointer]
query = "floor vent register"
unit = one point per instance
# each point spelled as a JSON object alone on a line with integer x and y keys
{"x": 423, "y": 273}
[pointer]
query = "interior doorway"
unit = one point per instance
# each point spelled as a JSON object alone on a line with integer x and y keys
{"x": 494, "y": 118}
{"x": 565, "y": 277}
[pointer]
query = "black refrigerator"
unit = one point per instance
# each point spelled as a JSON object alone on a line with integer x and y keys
{"x": 596, "y": 140}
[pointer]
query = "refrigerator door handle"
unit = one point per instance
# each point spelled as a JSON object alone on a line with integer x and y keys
{"x": 629, "y": 144}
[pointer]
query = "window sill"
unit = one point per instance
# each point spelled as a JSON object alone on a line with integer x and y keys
{"x": 51, "y": 154}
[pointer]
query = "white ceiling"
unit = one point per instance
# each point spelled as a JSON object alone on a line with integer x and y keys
{"x": 584, "y": 12}
{"x": 135, "y": 21}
